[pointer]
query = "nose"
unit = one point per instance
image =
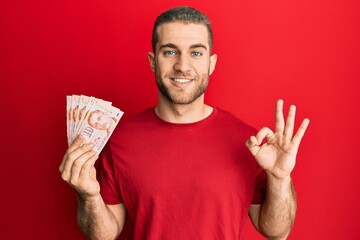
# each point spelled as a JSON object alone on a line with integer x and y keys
{"x": 182, "y": 64}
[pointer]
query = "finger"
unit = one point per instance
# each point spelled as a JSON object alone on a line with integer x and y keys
{"x": 74, "y": 152}
{"x": 87, "y": 168}
{"x": 253, "y": 145}
{"x": 301, "y": 131}
{"x": 78, "y": 141}
{"x": 264, "y": 133}
{"x": 78, "y": 164}
{"x": 71, "y": 157}
{"x": 290, "y": 120}
{"x": 279, "y": 117}
{"x": 252, "y": 142}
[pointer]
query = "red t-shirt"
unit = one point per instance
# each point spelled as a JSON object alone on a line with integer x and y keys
{"x": 182, "y": 181}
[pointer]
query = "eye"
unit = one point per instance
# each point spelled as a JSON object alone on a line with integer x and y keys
{"x": 169, "y": 53}
{"x": 196, "y": 54}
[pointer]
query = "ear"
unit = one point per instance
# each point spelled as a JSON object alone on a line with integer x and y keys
{"x": 151, "y": 57}
{"x": 213, "y": 59}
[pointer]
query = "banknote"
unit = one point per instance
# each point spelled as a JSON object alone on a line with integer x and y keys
{"x": 91, "y": 117}
{"x": 84, "y": 105}
{"x": 68, "y": 111}
{"x": 73, "y": 113}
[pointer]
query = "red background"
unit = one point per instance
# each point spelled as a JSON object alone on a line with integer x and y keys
{"x": 306, "y": 52}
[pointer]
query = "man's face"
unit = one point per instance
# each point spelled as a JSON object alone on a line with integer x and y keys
{"x": 182, "y": 61}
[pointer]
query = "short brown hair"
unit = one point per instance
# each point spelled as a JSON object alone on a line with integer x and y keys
{"x": 181, "y": 14}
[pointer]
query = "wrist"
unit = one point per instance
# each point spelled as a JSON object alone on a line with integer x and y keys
{"x": 279, "y": 186}
{"x": 89, "y": 198}
{"x": 283, "y": 179}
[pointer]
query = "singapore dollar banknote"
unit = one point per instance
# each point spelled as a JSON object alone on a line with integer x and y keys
{"x": 91, "y": 117}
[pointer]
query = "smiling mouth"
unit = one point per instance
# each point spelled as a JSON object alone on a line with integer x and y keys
{"x": 181, "y": 80}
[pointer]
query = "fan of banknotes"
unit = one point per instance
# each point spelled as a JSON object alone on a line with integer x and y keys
{"x": 91, "y": 117}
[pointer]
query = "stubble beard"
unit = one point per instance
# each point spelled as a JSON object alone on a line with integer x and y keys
{"x": 180, "y": 97}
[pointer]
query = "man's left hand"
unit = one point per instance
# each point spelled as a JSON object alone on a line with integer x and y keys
{"x": 277, "y": 156}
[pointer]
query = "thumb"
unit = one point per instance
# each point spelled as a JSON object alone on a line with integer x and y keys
{"x": 253, "y": 145}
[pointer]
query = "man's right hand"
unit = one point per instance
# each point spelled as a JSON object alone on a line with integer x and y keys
{"x": 77, "y": 168}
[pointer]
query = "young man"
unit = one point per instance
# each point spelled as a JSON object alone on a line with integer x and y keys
{"x": 184, "y": 169}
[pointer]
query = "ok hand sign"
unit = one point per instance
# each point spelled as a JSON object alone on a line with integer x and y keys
{"x": 278, "y": 155}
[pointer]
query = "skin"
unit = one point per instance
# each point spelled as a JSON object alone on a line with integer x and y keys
{"x": 275, "y": 217}
{"x": 95, "y": 218}
{"x": 182, "y": 64}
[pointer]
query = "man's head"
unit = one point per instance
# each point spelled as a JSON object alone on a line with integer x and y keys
{"x": 182, "y": 60}
{"x": 184, "y": 15}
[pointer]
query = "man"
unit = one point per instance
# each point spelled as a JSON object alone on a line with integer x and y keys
{"x": 181, "y": 170}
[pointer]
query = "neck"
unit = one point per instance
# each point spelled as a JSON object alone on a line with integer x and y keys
{"x": 183, "y": 113}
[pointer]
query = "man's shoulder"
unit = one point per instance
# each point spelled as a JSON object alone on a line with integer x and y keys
{"x": 136, "y": 121}
{"x": 227, "y": 117}
{"x": 142, "y": 116}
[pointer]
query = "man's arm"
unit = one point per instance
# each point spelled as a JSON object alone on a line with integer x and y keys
{"x": 96, "y": 219}
{"x": 275, "y": 217}
{"x": 100, "y": 221}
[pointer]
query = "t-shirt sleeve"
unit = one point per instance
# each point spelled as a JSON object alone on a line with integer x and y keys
{"x": 260, "y": 187}
{"x": 109, "y": 188}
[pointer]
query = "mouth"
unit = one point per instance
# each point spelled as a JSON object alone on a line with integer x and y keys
{"x": 181, "y": 80}
{"x": 181, "y": 83}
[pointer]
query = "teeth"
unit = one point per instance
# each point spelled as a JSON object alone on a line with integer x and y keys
{"x": 181, "y": 80}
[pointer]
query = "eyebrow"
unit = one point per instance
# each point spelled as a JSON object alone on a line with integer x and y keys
{"x": 199, "y": 45}
{"x": 171, "y": 45}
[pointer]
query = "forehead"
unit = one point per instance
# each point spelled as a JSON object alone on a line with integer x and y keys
{"x": 183, "y": 34}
